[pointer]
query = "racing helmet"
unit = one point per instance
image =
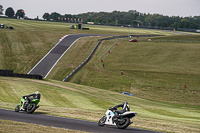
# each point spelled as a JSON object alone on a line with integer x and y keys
{"x": 37, "y": 92}
{"x": 126, "y": 106}
{"x": 125, "y": 103}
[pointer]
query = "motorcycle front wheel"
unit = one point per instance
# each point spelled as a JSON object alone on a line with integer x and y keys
{"x": 17, "y": 108}
{"x": 102, "y": 121}
{"x": 123, "y": 123}
{"x": 31, "y": 108}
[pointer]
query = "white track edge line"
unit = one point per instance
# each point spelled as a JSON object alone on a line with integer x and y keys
{"x": 45, "y": 56}
{"x": 61, "y": 57}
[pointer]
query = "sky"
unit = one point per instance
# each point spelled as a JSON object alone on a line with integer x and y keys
{"x": 34, "y": 8}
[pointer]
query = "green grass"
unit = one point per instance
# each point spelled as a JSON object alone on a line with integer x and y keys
{"x": 155, "y": 72}
{"x": 77, "y": 101}
{"x": 150, "y": 69}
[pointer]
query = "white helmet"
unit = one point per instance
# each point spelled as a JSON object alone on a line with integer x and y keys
{"x": 37, "y": 92}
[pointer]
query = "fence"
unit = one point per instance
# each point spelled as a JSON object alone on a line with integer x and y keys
{"x": 9, "y": 73}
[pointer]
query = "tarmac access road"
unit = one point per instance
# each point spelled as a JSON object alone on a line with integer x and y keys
{"x": 46, "y": 64}
{"x": 67, "y": 123}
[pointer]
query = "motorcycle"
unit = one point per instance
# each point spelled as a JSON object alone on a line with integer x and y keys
{"x": 30, "y": 107}
{"x": 122, "y": 121}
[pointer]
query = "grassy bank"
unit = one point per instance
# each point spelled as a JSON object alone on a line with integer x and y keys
{"x": 150, "y": 68}
{"x": 78, "y": 101}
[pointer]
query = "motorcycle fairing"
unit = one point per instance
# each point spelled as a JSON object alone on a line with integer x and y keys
{"x": 109, "y": 116}
{"x": 129, "y": 114}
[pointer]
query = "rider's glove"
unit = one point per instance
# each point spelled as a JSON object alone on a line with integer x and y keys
{"x": 112, "y": 108}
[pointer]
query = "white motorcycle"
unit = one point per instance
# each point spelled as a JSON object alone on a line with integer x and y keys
{"x": 122, "y": 121}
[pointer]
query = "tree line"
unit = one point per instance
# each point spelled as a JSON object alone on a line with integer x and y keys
{"x": 11, "y": 13}
{"x": 132, "y": 18}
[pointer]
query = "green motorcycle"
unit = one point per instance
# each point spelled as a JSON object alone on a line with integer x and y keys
{"x": 28, "y": 104}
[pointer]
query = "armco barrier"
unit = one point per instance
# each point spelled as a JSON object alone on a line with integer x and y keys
{"x": 5, "y": 72}
{"x": 81, "y": 65}
{"x": 9, "y": 73}
{"x": 99, "y": 41}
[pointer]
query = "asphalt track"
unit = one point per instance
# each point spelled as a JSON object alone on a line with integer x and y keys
{"x": 66, "y": 123}
{"x": 46, "y": 64}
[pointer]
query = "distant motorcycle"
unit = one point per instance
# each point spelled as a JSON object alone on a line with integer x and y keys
{"x": 122, "y": 122}
{"x": 30, "y": 108}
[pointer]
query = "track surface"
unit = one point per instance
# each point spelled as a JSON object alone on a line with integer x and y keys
{"x": 67, "y": 123}
{"x": 44, "y": 66}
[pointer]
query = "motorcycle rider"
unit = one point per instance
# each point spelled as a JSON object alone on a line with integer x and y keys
{"x": 27, "y": 98}
{"x": 125, "y": 108}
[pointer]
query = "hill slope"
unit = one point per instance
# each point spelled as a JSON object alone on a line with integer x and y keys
{"x": 160, "y": 67}
{"x": 78, "y": 101}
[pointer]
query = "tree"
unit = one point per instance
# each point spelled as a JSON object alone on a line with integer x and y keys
{"x": 1, "y": 9}
{"x": 20, "y": 14}
{"x": 89, "y": 19}
{"x": 136, "y": 22}
{"x": 10, "y": 12}
{"x": 55, "y": 16}
{"x": 150, "y": 20}
{"x": 46, "y": 16}
{"x": 184, "y": 23}
{"x": 37, "y": 18}
{"x": 193, "y": 25}
{"x": 164, "y": 24}
{"x": 104, "y": 22}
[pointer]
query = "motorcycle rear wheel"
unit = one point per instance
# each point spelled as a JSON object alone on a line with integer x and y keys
{"x": 124, "y": 123}
{"x": 102, "y": 121}
{"x": 31, "y": 108}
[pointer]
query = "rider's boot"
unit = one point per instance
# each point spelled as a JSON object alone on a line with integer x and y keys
{"x": 22, "y": 107}
{"x": 115, "y": 117}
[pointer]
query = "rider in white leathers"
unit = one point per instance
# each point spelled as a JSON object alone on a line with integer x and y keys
{"x": 125, "y": 108}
